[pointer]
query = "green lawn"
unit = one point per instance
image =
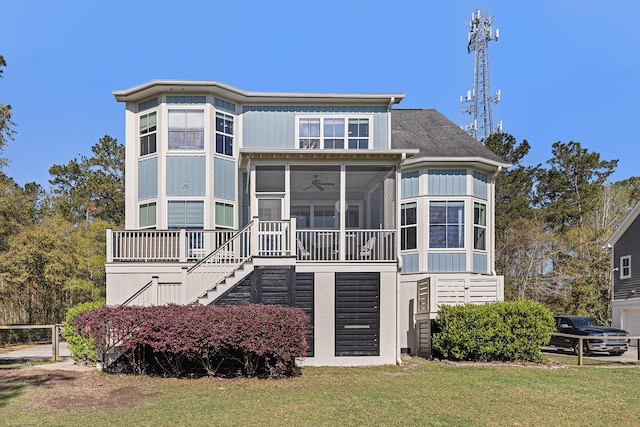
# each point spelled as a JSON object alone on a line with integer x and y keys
{"x": 419, "y": 393}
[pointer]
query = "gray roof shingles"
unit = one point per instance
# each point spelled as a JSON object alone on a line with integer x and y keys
{"x": 435, "y": 136}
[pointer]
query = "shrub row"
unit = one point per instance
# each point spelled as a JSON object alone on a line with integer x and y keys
{"x": 500, "y": 331}
{"x": 82, "y": 348}
{"x": 173, "y": 340}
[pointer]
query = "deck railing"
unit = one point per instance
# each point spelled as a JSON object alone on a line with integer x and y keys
{"x": 272, "y": 239}
{"x": 354, "y": 245}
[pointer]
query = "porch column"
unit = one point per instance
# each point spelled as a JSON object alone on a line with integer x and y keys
{"x": 342, "y": 253}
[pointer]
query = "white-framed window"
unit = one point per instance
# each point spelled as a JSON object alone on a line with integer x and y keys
{"x": 625, "y": 267}
{"x": 359, "y": 133}
{"x": 446, "y": 224}
{"x": 224, "y": 134}
{"x": 147, "y": 215}
{"x": 224, "y": 215}
{"x": 187, "y": 214}
{"x": 479, "y": 226}
{"x": 148, "y": 127}
{"x": 186, "y": 129}
{"x": 333, "y": 132}
{"x": 408, "y": 226}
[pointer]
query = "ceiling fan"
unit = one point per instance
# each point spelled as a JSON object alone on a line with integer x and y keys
{"x": 317, "y": 183}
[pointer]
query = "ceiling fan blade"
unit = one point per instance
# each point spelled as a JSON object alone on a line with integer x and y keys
{"x": 305, "y": 189}
{"x": 319, "y": 187}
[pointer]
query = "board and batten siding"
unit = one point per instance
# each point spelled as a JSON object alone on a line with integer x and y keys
{"x": 480, "y": 185}
{"x": 409, "y": 184}
{"x": 186, "y": 175}
{"x": 479, "y": 263}
{"x": 446, "y": 262}
{"x": 148, "y": 178}
{"x": 274, "y": 127}
{"x": 410, "y": 263}
{"x": 447, "y": 182}
{"x": 224, "y": 182}
{"x": 627, "y": 244}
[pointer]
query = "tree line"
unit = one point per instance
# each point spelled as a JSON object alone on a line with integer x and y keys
{"x": 552, "y": 222}
{"x": 52, "y": 242}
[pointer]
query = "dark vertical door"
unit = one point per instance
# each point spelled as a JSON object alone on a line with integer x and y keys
{"x": 357, "y": 314}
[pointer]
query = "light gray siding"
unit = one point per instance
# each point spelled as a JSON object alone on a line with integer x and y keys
{"x": 224, "y": 183}
{"x": 447, "y": 182}
{"x": 627, "y": 244}
{"x": 275, "y": 126}
{"x": 480, "y": 185}
{"x": 186, "y": 175}
{"x": 479, "y": 263}
{"x": 409, "y": 184}
{"x": 148, "y": 178}
{"x": 410, "y": 263}
{"x": 446, "y": 262}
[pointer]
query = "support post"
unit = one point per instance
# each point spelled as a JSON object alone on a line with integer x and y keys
{"x": 109, "y": 245}
{"x": 183, "y": 245}
{"x": 54, "y": 343}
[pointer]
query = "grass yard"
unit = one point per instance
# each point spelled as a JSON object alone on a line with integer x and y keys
{"x": 419, "y": 393}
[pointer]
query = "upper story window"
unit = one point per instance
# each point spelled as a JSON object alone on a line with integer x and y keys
{"x": 408, "y": 226}
{"x": 359, "y": 133}
{"x": 148, "y": 127}
{"x": 446, "y": 224}
{"x": 224, "y": 134}
{"x": 625, "y": 267}
{"x": 333, "y": 132}
{"x": 186, "y": 129}
{"x": 479, "y": 226}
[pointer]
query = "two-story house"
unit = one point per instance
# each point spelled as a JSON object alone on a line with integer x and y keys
{"x": 624, "y": 245}
{"x": 366, "y": 217}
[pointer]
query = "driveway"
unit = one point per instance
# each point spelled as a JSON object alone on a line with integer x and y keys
{"x": 630, "y": 355}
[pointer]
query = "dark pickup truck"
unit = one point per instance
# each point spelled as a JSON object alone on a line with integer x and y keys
{"x": 613, "y": 340}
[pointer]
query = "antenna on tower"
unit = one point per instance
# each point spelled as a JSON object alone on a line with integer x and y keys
{"x": 478, "y": 101}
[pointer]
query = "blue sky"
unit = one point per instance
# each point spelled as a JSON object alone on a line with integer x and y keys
{"x": 567, "y": 70}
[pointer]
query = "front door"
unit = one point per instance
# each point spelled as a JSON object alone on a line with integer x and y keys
{"x": 271, "y": 229}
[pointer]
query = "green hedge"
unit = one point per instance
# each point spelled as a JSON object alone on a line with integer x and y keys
{"x": 500, "y": 331}
{"x": 82, "y": 348}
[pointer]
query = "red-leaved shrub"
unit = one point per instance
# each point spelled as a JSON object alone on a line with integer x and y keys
{"x": 250, "y": 340}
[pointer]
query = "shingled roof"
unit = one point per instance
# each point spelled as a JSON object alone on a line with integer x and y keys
{"x": 436, "y": 136}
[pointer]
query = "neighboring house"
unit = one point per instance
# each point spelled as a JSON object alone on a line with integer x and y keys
{"x": 624, "y": 244}
{"x": 366, "y": 217}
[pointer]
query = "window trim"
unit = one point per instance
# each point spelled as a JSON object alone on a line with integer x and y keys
{"x": 322, "y": 138}
{"x": 446, "y": 225}
{"x": 407, "y": 226}
{"x": 148, "y": 132}
{"x": 625, "y": 274}
{"x": 223, "y": 133}
{"x": 478, "y": 226}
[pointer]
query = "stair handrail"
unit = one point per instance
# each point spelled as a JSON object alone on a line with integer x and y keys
{"x": 138, "y": 293}
{"x": 219, "y": 264}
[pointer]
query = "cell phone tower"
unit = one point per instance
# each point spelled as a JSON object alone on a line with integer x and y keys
{"x": 478, "y": 100}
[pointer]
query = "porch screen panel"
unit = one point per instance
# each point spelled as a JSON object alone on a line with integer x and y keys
{"x": 148, "y": 178}
{"x": 357, "y": 314}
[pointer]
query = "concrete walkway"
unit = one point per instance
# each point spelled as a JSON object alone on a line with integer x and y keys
{"x": 38, "y": 352}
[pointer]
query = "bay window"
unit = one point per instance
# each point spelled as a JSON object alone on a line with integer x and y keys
{"x": 446, "y": 224}
{"x": 408, "y": 226}
{"x": 479, "y": 226}
{"x": 186, "y": 129}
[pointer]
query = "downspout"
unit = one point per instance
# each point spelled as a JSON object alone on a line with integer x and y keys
{"x": 493, "y": 221}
